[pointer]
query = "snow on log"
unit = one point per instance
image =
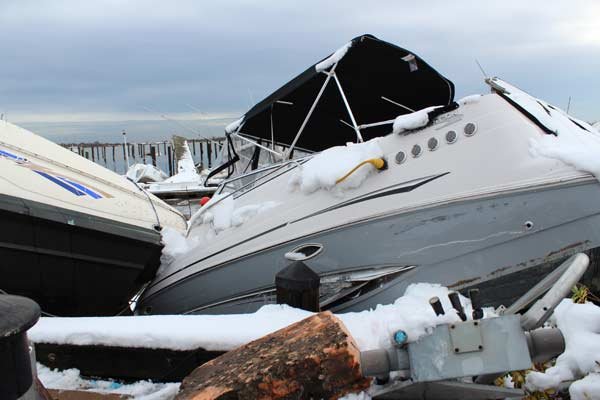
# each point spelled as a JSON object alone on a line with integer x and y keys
{"x": 314, "y": 358}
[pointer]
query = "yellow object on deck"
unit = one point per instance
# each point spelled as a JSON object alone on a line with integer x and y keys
{"x": 378, "y": 163}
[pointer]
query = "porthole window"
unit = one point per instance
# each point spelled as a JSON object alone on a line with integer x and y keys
{"x": 470, "y": 129}
{"x": 400, "y": 157}
{"x": 416, "y": 151}
{"x": 451, "y": 137}
{"x": 432, "y": 144}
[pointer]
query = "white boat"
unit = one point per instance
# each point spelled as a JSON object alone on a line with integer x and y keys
{"x": 187, "y": 182}
{"x": 77, "y": 238}
{"x": 456, "y": 198}
{"x": 145, "y": 173}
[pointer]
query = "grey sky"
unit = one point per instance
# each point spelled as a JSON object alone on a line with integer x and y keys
{"x": 80, "y": 67}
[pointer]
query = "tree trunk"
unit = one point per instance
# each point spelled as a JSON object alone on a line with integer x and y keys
{"x": 314, "y": 358}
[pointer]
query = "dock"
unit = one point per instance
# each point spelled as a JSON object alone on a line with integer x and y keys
{"x": 160, "y": 154}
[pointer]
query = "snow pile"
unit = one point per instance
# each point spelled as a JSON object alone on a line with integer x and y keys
{"x": 578, "y": 149}
{"x": 576, "y": 142}
{"x": 356, "y": 396}
{"x": 580, "y": 325}
{"x": 587, "y": 388}
{"x": 415, "y": 120}
{"x": 175, "y": 244}
{"x": 334, "y": 58}
{"x": 232, "y": 127}
{"x": 71, "y": 380}
{"x": 145, "y": 173}
{"x": 472, "y": 99}
{"x": 176, "y": 332}
{"x": 186, "y": 169}
{"x": 222, "y": 213}
{"x": 371, "y": 329}
{"x": 325, "y": 168}
{"x": 412, "y": 313}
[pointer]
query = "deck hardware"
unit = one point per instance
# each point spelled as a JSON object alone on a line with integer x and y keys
{"x": 528, "y": 225}
{"x": 451, "y": 137}
{"x": 416, "y": 151}
{"x": 304, "y": 252}
{"x": 470, "y": 129}
{"x": 400, "y": 338}
{"x": 466, "y": 337}
{"x": 476, "y": 304}
{"x": 436, "y": 304}
{"x": 400, "y": 157}
{"x": 455, "y": 300}
{"x": 433, "y": 144}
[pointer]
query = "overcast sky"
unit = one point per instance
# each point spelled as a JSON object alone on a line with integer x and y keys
{"x": 79, "y": 67}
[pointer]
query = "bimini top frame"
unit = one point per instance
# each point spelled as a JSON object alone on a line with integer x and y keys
{"x": 374, "y": 81}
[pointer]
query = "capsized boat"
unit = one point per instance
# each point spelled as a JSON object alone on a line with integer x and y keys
{"x": 76, "y": 238}
{"x": 457, "y": 199}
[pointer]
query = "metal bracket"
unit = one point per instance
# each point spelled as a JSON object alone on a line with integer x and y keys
{"x": 466, "y": 337}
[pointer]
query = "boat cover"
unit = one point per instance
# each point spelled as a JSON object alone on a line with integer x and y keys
{"x": 370, "y": 71}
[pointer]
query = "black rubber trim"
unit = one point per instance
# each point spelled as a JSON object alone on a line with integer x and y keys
{"x": 527, "y": 114}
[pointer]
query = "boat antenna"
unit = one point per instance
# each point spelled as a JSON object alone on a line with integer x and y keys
{"x": 569, "y": 105}
{"x": 485, "y": 75}
{"x": 181, "y": 125}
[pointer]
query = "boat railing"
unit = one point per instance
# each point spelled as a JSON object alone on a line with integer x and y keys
{"x": 245, "y": 183}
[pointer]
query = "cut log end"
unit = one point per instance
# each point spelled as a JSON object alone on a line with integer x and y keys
{"x": 313, "y": 358}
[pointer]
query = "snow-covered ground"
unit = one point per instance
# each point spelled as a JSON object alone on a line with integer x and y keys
{"x": 371, "y": 329}
{"x": 412, "y": 313}
{"x": 70, "y": 379}
{"x": 580, "y": 325}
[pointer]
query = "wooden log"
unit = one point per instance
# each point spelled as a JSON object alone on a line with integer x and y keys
{"x": 315, "y": 358}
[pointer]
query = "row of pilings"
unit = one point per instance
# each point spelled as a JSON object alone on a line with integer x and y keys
{"x": 160, "y": 154}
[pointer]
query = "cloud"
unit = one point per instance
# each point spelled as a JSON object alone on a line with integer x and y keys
{"x": 112, "y": 59}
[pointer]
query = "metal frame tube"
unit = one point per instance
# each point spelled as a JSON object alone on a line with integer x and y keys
{"x": 236, "y": 134}
{"x": 356, "y": 129}
{"x": 398, "y": 104}
{"x": 389, "y": 121}
{"x": 312, "y": 108}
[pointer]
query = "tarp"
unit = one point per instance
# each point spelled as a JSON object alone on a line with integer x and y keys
{"x": 370, "y": 70}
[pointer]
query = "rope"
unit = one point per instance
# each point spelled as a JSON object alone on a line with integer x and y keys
{"x": 158, "y": 226}
{"x": 378, "y": 163}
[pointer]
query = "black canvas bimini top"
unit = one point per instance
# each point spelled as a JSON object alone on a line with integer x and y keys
{"x": 370, "y": 70}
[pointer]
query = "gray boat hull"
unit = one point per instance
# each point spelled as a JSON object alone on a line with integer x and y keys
{"x": 503, "y": 244}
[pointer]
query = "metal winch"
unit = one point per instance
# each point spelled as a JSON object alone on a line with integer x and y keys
{"x": 461, "y": 360}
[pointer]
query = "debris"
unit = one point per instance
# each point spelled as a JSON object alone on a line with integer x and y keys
{"x": 314, "y": 358}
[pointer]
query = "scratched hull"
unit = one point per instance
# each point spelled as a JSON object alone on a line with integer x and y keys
{"x": 502, "y": 244}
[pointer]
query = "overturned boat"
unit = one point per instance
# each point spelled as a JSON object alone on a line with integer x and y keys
{"x": 455, "y": 196}
{"x": 76, "y": 237}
